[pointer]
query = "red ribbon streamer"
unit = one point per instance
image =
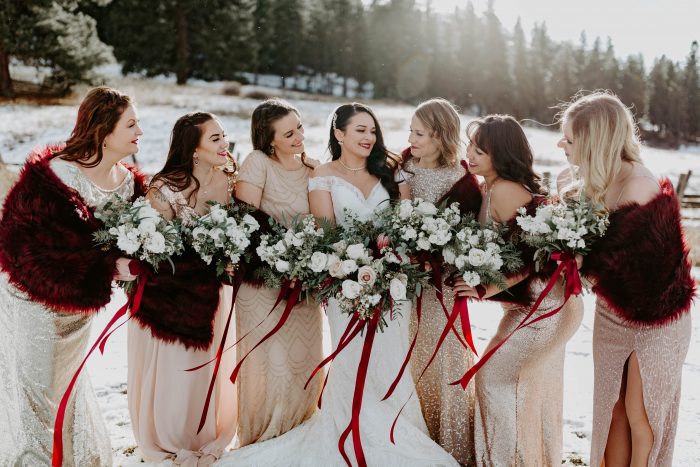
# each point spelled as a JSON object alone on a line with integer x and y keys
{"x": 293, "y": 300}
{"x": 395, "y": 383}
{"x": 354, "y": 425}
{"x": 219, "y": 354}
{"x": 134, "y": 302}
{"x": 573, "y": 286}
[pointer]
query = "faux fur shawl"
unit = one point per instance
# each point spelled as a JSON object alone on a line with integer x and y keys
{"x": 641, "y": 267}
{"x": 46, "y": 244}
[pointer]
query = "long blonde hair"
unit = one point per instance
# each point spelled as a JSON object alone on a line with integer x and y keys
{"x": 442, "y": 120}
{"x": 604, "y": 135}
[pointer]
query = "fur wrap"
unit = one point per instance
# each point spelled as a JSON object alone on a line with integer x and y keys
{"x": 46, "y": 244}
{"x": 641, "y": 267}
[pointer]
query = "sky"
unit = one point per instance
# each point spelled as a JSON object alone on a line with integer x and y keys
{"x": 650, "y": 27}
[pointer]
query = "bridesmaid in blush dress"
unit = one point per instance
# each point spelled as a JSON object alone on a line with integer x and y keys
{"x": 435, "y": 173}
{"x": 519, "y": 391}
{"x": 274, "y": 178}
{"x": 165, "y": 402}
{"x": 642, "y": 280}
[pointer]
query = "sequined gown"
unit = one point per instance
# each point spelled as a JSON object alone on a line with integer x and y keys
{"x": 271, "y": 394}
{"x": 519, "y": 392}
{"x": 165, "y": 402}
{"x": 661, "y": 352}
{"x": 40, "y": 350}
{"x": 448, "y": 410}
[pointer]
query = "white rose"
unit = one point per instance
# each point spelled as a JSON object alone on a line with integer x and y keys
{"x": 471, "y": 278}
{"x": 405, "y": 209}
{"x": 366, "y": 276}
{"x": 340, "y": 246}
{"x": 397, "y": 289}
{"x": 409, "y": 234}
{"x": 461, "y": 261}
{"x": 217, "y": 214}
{"x": 356, "y": 251}
{"x": 477, "y": 257}
{"x": 426, "y": 208}
{"x": 423, "y": 243}
{"x": 318, "y": 261}
{"x": 335, "y": 267}
{"x": 251, "y": 223}
{"x": 282, "y": 265}
{"x": 351, "y": 289}
{"x": 128, "y": 245}
{"x": 155, "y": 243}
{"x": 448, "y": 255}
{"x": 349, "y": 266}
{"x": 148, "y": 226}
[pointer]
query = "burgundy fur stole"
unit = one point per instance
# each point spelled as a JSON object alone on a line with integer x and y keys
{"x": 641, "y": 265}
{"x": 180, "y": 305}
{"x": 46, "y": 244}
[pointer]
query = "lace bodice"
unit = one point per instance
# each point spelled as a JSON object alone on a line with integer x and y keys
{"x": 346, "y": 196}
{"x": 181, "y": 207}
{"x": 93, "y": 195}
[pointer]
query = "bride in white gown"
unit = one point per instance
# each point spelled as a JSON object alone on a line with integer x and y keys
{"x": 357, "y": 179}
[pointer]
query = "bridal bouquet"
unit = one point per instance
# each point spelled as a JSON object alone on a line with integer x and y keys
{"x": 366, "y": 276}
{"x": 223, "y": 235}
{"x": 299, "y": 252}
{"x": 415, "y": 226}
{"x": 481, "y": 255}
{"x": 138, "y": 230}
{"x": 563, "y": 227}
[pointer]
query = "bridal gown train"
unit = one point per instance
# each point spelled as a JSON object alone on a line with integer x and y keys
{"x": 315, "y": 442}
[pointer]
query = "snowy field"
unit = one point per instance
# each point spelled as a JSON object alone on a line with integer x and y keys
{"x": 160, "y": 103}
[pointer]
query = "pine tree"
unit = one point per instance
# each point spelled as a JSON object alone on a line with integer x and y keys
{"x": 610, "y": 70}
{"x": 633, "y": 87}
{"x": 497, "y": 90}
{"x": 469, "y": 56}
{"x": 542, "y": 53}
{"x": 52, "y": 34}
{"x": 564, "y": 81}
{"x": 523, "y": 85}
{"x": 691, "y": 94}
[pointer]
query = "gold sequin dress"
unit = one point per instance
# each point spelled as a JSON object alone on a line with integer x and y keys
{"x": 40, "y": 350}
{"x": 271, "y": 395}
{"x": 448, "y": 410}
{"x": 520, "y": 390}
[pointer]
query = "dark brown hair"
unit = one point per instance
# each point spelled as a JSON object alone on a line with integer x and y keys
{"x": 262, "y": 131}
{"x": 502, "y": 137}
{"x": 98, "y": 114}
{"x": 381, "y": 162}
{"x": 178, "y": 170}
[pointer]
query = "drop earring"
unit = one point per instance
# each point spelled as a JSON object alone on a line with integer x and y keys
{"x": 272, "y": 150}
{"x": 196, "y": 158}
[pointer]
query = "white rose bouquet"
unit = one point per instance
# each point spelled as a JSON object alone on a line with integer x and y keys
{"x": 366, "y": 279}
{"x": 570, "y": 226}
{"x": 481, "y": 255}
{"x": 138, "y": 230}
{"x": 223, "y": 235}
{"x": 417, "y": 226}
{"x": 302, "y": 252}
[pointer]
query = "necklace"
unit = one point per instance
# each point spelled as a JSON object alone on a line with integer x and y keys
{"x": 351, "y": 169}
{"x": 206, "y": 185}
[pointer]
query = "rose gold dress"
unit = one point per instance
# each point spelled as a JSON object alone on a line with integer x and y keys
{"x": 271, "y": 395}
{"x": 661, "y": 351}
{"x": 165, "y": 402}
{"x": 448, "y": 410}
{"x": 519, "y": 391}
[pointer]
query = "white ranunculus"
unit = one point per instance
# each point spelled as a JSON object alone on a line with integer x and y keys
{"x": 282, "y": 265}
{"x": 409, "y": 234}
{"x": 405, "y": 209}
{"x": 366, "y": 275}
{"x": 356, "y": 251}
{"x": 471, "y": 278}
{"x": 155, "y": 243}
{"x": 351, "y": 289}
{"x": 318, "y": 261}
{"x": 426, "y": 208}
{"x": 423, "y": 243}
{"x": 478, "y": 257}
{"x": 397, "y": 289}
{"x": 128, "y": 244}
{"x": 340, "y": 246}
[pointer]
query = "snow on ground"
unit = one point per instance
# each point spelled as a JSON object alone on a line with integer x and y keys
{"x": 160, "y": 103}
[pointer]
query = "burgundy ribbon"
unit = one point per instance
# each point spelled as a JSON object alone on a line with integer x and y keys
{"x": 133, "y": 302}
{"x": 291, "y": 301}
{"x": 410, "y": 349}
{"x": 353, "y": 427}
{"x": 219, "y": 354}
{"x": 573, "y": 286}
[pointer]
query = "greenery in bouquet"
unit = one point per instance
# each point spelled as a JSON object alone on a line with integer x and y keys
{"x": 571, "y": 226}
{"x": 481, "y": 255}
{"x": 223, "y": 235}
{"x": 366, "y": 277}
{"x": 299, "y": 252}
{"x": 139, "y": 231}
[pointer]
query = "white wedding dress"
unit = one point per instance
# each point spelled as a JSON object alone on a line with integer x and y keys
{"x": 315, "y": 442}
